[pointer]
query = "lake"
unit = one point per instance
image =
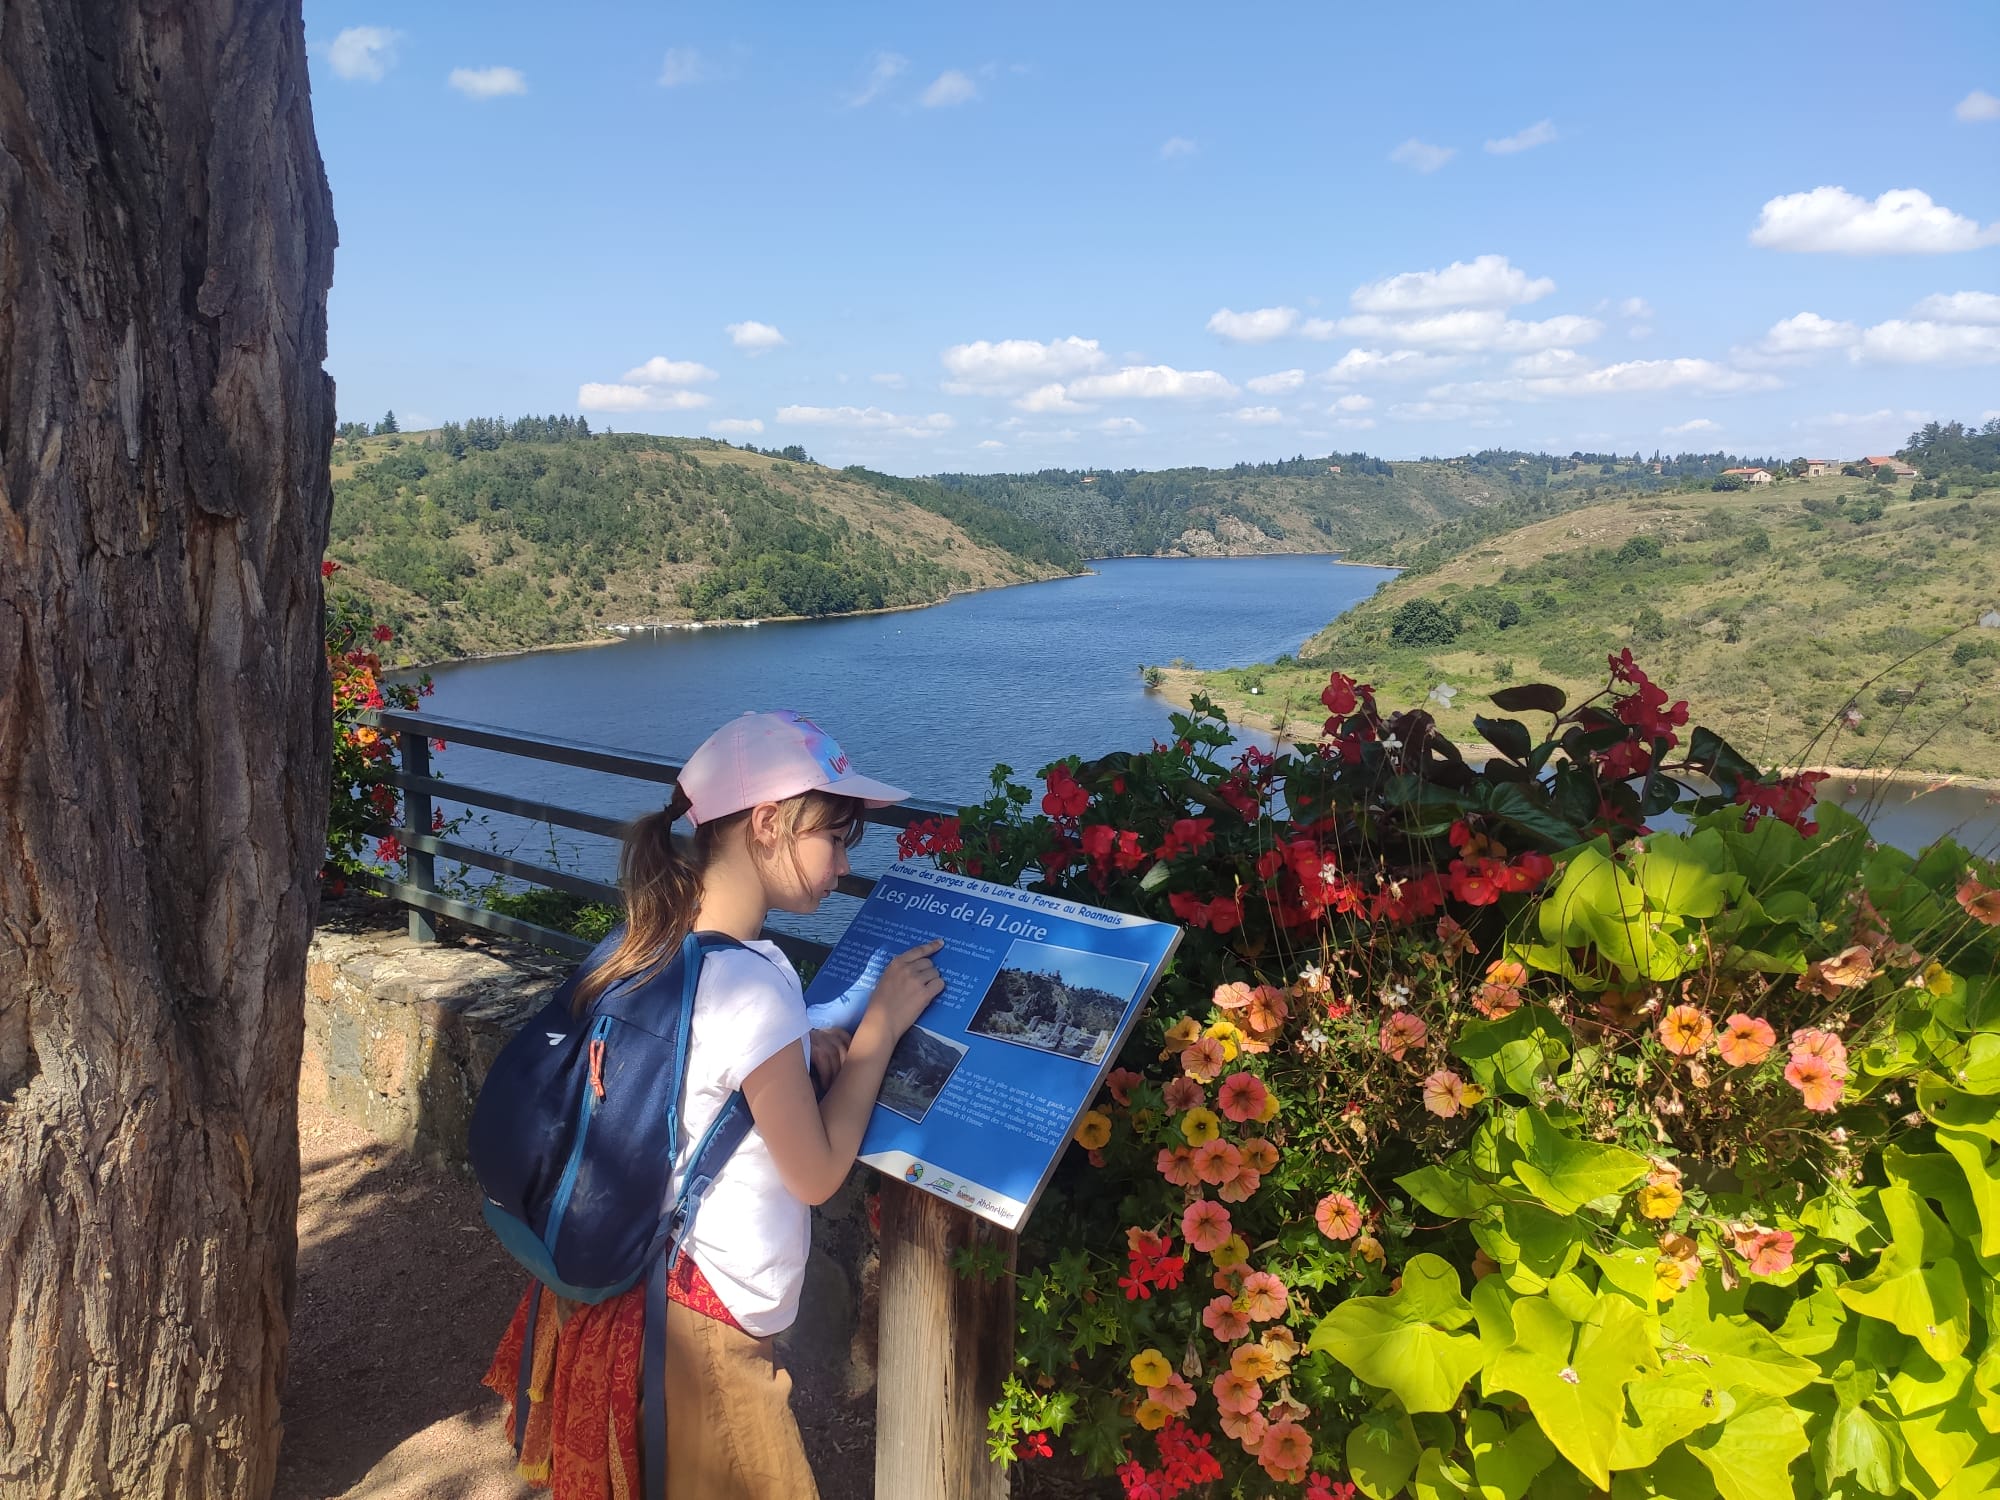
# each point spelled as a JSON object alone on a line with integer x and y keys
{"x": 930, "y": 699}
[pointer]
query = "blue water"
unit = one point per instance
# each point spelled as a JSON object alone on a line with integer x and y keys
{"x": 930, "y": 699}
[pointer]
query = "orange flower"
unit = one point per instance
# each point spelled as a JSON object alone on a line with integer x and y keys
{"x": 1182, "y": 1032}
{"x": 1264, "y": 1297}
{"x": 1746, "y": 1041}
{"x": 1203, "y": 1059}
{"x": 1811, "y": 1042}
{"x": 1177, "y": 1166}
{"x": 1175, "y": 1394}
{"x": 1401, "y": 1033}
{"x": 1247, "y": 1427}
{"x": 1253, "y": 1360}
{"x": 1233, "y": 1393}
{"x": 1093, "y": 1130}
{"x": 1494, "y": 1001}
{"x": 1979, "y": 902}
{"x": 1259, "y": 1155}
{"x": 1848, "y": 969}
{"x": 1285, "y": 1452}
{"x": 1338, "y": 1217}
{"x": 1685, "y": 1030}
{"x": 1231, "y": 996}
{"x": 1206, "y": 1225}
{"x": 1151, "y": 1415}
{"x": 1121, "y": 1082}
{"x": 1223, "y": 1318}
{"x": 1267, "y": 1009}
{"x": 1819, "y": 1083}
{"x": 1240, "y": 1187}
{"x": 1217, "y": 1162}
{"x": 1241, "y": 1097}
{"x": 1507, "y": 973}
{"x": 1769, "y": 1251}
{"x": 1453, "y": 941}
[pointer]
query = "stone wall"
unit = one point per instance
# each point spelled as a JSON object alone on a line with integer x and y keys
{"x": 399, "y": 1036}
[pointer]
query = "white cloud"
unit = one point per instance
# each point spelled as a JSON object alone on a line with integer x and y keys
{"x": 1551, "y": 362}
{"x": 988, "y": 368}
{"x": 684, "y": 65}
{"x": 737, "y": 426}
{"x": 1696, "y": 424}
{"x": 883, "y": 68}
{"x": 1484, "y": 281}
{"x": 1047, "y": 398}
{"x": 1121, "y": 426}
{"x": 753, "y": 337}
{"x": 1538, "y": 134}
{"x": 866, "y": 419}
{"x": 1635, "y": 307}
{"x": 1176, "y": 146}
{"x": 1806, "y": 333}
{"x": 1258, "y": 327}
{"x": 1152, "y": 382}
{"x": 1636, "y": 376}
{"x": 594, "y": 397}
{"x": 1352, "y": 403}
{"x": 1978, "y": 106}
{"x": 1926, "y": 343}
{"x": 991, "y": 444}
{"x": 488, "y": 83}
{"x": 1903, "y": 221}
{"x": 1475, "y": 330}
{"x": 659, "y": 370}
{"x": 1321, "y": 329}
{"x": 1421, "y": 157}
{"x": 1960, "y": 307}
{"x": 1277, "y": 383}
{"x": 1840, "y": 420}
{"x": 363, "y": 52}
{"x": 1398, "y": 364}
{"x": 1257, "y": 416}
{"x": 1355, "y": 424}
{"x": 948, "y": 88}
{"x": 1436, "y": 411}
{"x": 890, "y": 379}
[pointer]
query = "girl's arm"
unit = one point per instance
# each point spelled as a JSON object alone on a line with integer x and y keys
{"x": 813, "y": 1142}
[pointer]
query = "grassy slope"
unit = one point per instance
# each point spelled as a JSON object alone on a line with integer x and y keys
{"x": 519, "y": 593}
{"x": 1826, "y": 608}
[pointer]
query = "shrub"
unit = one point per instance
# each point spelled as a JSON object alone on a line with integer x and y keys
{"x": 364, "y": 803}
{"x": 1419, "y": 622}
{"x": 1638, "y": 549}
{"x": 1481, "y": 1142}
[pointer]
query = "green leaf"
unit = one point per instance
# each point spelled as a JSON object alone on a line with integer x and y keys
{"x": 1438, "y": 1478}
{"x": 1735, "y": 1351}
{"x": 1676, "y": 1476}
{"x": 1942, "y": 1440}
{"x": 1401, "y": 1343}
{"x": 1527, "y": 807}
{"x": 1513, "y": 1053}
{"x": 1974, "y": 1157}
{"x": 1530, "y": 697}
{"x": 1532, "y": 1244}
{"x": 1813, "y": 1324}
{"x": 1509, "y": 736}
{"x": 1917, "y": 1286}
{"x": 1980, "y": 1073}
{"x": 1382, "y": 1452}
{"x": 1597, "y": 904}
{"x": 1573, "y": 1377}
{"x": 1686, "y": 876}
{"x": 1750, "y": 1456}
{"x": 1922, "y": 1384}
{"x": 1505, "y": 1461}
{"x": 1566, "y": 1173}
{"x": 1854, "y": 1442}
{"x": 1664, "y": 1410}
{"x": 1628, "y": 1269}
{"x": 1446, "y": 1193}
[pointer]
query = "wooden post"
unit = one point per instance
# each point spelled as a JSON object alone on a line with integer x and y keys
{"x": 947, "y": 1344}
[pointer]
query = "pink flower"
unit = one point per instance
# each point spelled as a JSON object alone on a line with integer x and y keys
{"x": 1227, "y": 1322}
{"x": 1259, "y": 1155}
{"x": 1264, "y": 1297}
{"x": 1769, "y": 1251}
{"x": 1239, "y": 1188}
{"x": 1231, "y": 996}
{"x": 1746, "y": 1041}
{"x": 1203, "y": 1059}
{"x": 1242, "y": 1097}
{"x": 1177, "y": 1166}
{"x": 1444, "y": 1094}
{"x": 1402, "y": 1032}
{"x": 1217, "y": 1162}
{"x": 1206, "y": 1224}
{"x": 1176, "y": 1395}
{"x": 1818, "y": 1082}
{"x": 1121, "y": 1082}
{"x": 1285, "y": 1452}
{"x": 1247, "y": 1427}
{"x": 1813, "y": 1043}
{"x": 1338, "y": 1217}
{"x": 1183, "y": 1094}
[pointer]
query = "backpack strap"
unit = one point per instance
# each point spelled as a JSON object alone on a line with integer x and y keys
{"x": 522, "y": 1377}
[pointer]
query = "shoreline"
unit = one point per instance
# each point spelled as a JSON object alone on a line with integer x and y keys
{"x": 1177, "y": 691}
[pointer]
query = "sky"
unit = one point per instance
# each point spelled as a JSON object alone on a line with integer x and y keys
{"x": 933, "y": 238}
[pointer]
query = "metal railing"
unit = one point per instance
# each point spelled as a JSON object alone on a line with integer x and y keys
{"x": 414, "y": 734}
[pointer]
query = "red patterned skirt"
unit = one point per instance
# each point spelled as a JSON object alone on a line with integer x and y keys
{"x": 582, "y": 1437}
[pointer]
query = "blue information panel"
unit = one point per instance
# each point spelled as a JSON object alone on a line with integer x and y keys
{"x": 983, "y": 1092}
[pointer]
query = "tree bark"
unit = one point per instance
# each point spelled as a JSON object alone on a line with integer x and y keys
{"x": 166, "y": 245}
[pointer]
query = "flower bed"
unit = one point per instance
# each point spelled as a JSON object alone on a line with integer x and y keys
{"x": 1485, "y": 1141}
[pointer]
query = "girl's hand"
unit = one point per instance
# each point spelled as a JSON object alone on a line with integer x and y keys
{"x": 829, "y": 1051}
{"x": 909, "y": 984}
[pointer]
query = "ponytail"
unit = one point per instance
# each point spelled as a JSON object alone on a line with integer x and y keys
{"x": 662, "y": 880}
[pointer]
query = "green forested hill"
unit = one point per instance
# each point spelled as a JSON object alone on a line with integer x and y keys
{"x": 470, "y": 539}
{"x": 1773, "y": 612}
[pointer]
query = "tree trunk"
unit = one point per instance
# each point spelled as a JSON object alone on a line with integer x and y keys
{"x": 166, "y": 244}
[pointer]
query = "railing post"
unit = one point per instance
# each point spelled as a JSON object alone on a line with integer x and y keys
{"x": 947, "y": 1344}
{"x": 415, "y": 752}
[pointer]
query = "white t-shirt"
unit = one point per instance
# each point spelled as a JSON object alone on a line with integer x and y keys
{"x": 751, "y": 1235}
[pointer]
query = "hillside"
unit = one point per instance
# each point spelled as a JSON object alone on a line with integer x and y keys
{"x": 468, "y": 540}
{"x": 1773, "y": 612}
{"x": 1344, "y": 502}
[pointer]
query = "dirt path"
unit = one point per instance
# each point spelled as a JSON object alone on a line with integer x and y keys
{"x": 402, "y": 1294}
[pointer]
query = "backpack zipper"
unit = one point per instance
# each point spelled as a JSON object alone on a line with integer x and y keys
{"x": 599, "y": 1030}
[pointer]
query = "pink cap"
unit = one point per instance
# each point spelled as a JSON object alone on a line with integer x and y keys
{"x": 768, "y": 758}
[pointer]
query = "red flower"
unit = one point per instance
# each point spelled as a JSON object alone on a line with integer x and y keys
{"x": 328, "y": 568}
{"x": 1338, "y": 695}
{"x": 384, "y": 633}
{"x": 389, "y": 849}
{"x": 1034, "y": 1445}
{"x": 1186, "y": 836}
{"x": 931, "y": 836}
{"x": 1065, "y": 798}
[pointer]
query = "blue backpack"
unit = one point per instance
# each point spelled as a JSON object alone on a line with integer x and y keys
{"x": 574, "y": 1139}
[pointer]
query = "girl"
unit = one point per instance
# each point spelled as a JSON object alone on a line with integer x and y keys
{"x": 775, "y": 807}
